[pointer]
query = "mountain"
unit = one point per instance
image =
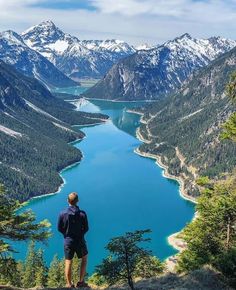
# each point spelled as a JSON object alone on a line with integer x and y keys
{"x": 14, "y": 51}
{"x": 115, "y": 46}
{"x": 35, "y": 128}
{"x": 75, "y": 58}
{"x": 145, "y": 46}
{"x": 183, "y": 130}
{"x": 151, "y": 74}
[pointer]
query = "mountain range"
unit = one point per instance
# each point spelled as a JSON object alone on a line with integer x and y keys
{"x": 152, "y": 74}
{"x": 74, "y": 57}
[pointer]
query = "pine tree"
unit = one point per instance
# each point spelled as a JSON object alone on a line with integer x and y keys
{"x": 40, "y": 269}
{"x": 211, "y": 238}
{"x": 29, "y": 267}
{"x": 62, "y": 271}
{"x": 16, "y": 226}
{"x": 75, "y": 270}
{"x": 8, "y": 271}
{"x": 148, "y": 267}
{"x": 56, "y": 273}
{"x": 126, "y": 254}
{"x": 230, "y": 126}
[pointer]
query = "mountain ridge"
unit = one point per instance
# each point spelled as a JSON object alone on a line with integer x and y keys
{"x": 183, "y": 130}
{"x": 152, "y": 74}
{"x": 76, "y": 58}
{"x": 14, "y": 51}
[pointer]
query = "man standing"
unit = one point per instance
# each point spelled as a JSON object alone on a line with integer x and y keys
{"x": 73, "y": 224}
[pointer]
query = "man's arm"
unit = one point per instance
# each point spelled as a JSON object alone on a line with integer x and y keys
{"x": 85, "y": 223}
{"x": 60, "y": 224}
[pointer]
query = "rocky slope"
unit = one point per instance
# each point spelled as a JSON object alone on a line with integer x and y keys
{"x": 75, "y": 58}
{"x": 35, "y": 128}
{"x": 14, "y": 51}
{"x": 183, "y": 130}
{"x": 151, "y": 74}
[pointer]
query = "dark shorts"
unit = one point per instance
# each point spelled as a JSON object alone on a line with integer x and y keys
{"x": 80, "y": 248}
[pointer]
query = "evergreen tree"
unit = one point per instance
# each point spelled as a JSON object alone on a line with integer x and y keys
{"x": 35, "y": 270}
{"x": 126, "y": 254}
{"x": 75, "y": 270}
{"x": 8, "y": 271}
{"x": 40, "y": 269}
{"x": 17, "y": 226}
{"x": 211, "y": 238}
{"x": 148, "y": 267}
{"x": 230, "y": 125}
{"x": 20, "y": 271}
{"x": 56, "y": 273}
{"x": 29, "y": 267}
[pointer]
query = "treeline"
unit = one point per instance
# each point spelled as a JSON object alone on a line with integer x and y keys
{"x": 34, "y": 272}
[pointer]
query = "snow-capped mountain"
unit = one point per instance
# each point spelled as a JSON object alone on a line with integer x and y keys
{"x": 154, "y": 73}
{"x": 14, "y": 51}
{"x": 76, "y": 58}
{"x": 115, "y": 46}
{"x": 145, "y": 46}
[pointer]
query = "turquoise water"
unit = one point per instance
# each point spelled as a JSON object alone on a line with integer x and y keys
{"x": 119, "y": 190}
{"x": 71, "y": 90}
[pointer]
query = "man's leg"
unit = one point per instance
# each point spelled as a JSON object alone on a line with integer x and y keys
{"x": 83, "y": 267}
{"x": 68, "y": 265}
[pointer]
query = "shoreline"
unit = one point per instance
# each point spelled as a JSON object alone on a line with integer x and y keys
{"x": 175, "y": 242}
{"x": 165, "y": 174}
{"x": 134, "y": 112}
{"x": 25, "y": 203}
{"x": 118, "y": 101}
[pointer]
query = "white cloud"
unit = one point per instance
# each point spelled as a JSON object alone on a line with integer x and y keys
{"x": 136, "y": 21}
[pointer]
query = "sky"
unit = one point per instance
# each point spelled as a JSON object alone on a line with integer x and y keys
{"x": 135, "y": 21}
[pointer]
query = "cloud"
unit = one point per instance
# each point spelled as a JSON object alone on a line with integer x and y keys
{"x": 182, "y": 9}
{"x": 135, "y": 21}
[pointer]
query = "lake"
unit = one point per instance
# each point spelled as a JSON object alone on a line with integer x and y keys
{"x": 120, "y": 190}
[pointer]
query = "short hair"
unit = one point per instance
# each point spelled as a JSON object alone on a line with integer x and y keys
{"x": 73, "y": 198}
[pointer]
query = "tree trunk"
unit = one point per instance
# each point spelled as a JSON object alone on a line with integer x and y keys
{"x": 131, "y": 283}
{"x": 228, "y": 234}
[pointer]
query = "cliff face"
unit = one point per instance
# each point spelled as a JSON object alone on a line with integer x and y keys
{"x": 184, "y": 130}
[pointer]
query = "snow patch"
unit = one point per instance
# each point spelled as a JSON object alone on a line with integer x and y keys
{"x": 40, "y": 111}
{"x": 190, "y": 115}
{"x": 10, "y": 132}
{"x": 59, "y": 46}
{"x": 62, "y": 127}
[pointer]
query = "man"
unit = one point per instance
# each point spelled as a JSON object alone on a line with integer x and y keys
{"x": 73, "y": 224}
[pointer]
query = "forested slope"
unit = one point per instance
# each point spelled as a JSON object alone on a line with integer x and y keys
{"x": 184, "y": 129}
{"x": 35, "y": 128}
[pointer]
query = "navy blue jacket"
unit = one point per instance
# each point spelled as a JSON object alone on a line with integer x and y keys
{"x": 73, "y": 223}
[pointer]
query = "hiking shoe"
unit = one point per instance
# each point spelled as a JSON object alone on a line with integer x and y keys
{"x": 82, "y": 285}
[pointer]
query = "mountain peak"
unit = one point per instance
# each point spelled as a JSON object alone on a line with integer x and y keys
{"x": 47, "y": 23}
{"x": 184, "y": 36}
{"x": 43, "y": 30}
{"x": 12, "y": 37}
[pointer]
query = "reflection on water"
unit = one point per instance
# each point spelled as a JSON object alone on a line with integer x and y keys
{"x": 118, "y": 112}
